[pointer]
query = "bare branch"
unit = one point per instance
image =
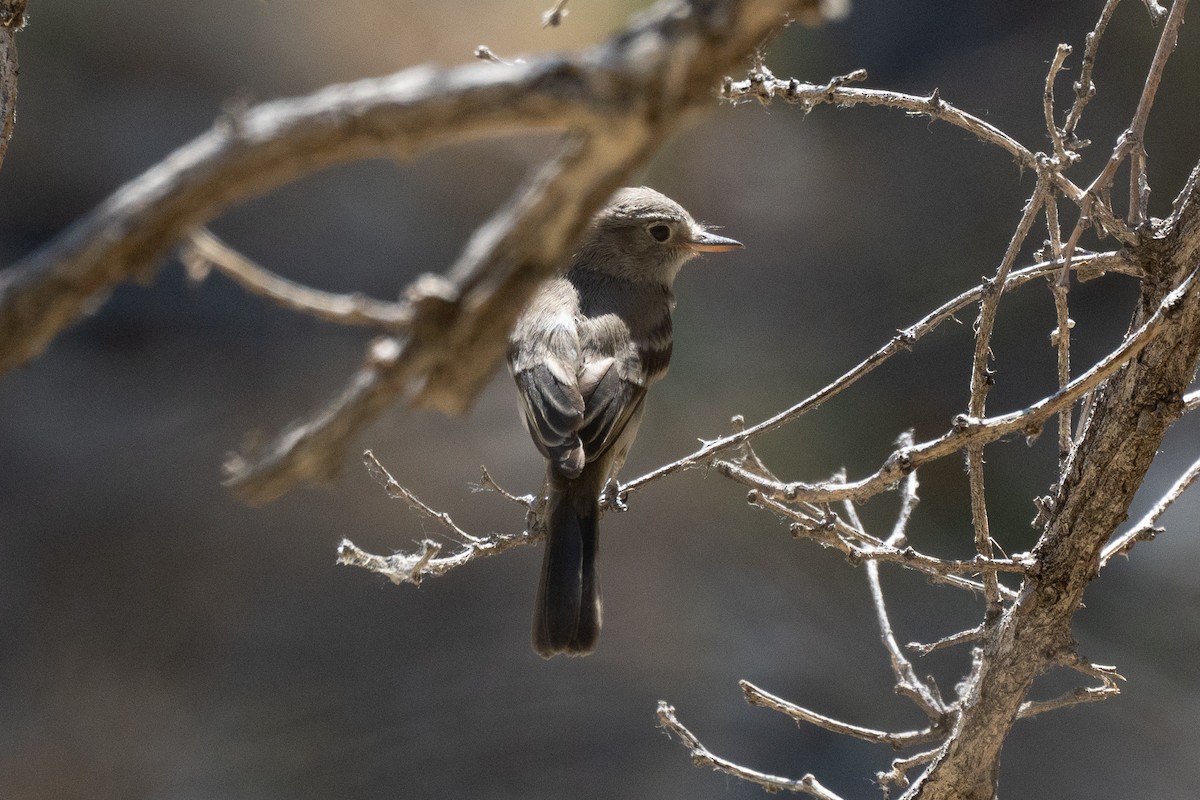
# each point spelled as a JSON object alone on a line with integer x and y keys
{"x": 1075, "y": 697}
{"x": 1121, "y": 436}
{"x": 427, "y": 560}
{"x": 488, "y": 484}
{"x": 703, "y": 757}
{"x": 1146, "y": 528}
{"x": 1097, "y": 263}
{"x": 858, "y": 546}
{"x": 1139, "y": 190}
{"x": 908, "y": 500}
{"x": 764, "y": 699}
{"x": 1157, "y": 12}
{"x": 398, "y": 492}
{"x": 1056, "y": 136}
{"x": 908, "y": 684}
{"x": 1085, "y": 90}
{"x": 981, "y": 381}
{"x": 967, "y": 431}
{"x": 962, "y": 637}
{"x": 1060, "y": 337}
{"x": 765, "y": 88}
{"x": 897, "y": 775}
{"x": 203, "y": 252}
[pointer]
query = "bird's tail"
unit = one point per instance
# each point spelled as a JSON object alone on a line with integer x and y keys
{"x": 567, "y": 613}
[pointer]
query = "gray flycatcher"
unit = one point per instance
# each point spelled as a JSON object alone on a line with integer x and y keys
{"x": 589, "y": 345}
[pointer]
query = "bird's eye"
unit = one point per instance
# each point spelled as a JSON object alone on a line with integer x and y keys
{"x": 660, "y": 232}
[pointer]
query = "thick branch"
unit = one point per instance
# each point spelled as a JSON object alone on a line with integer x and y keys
{"x": 1130, "y": 415}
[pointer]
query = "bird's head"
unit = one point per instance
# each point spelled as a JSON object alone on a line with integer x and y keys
{"x": 644, "y": 235}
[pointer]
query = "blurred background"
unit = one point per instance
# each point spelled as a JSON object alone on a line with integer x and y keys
{"x": 158, "y": 639}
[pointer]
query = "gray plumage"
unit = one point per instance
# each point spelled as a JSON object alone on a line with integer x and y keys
{"x": 589, "y": 345}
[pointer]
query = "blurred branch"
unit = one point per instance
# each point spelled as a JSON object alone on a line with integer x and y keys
{"x": 554, "y": 16}
{"x": 617, "y": 101}
{"x": 203, "y": 252}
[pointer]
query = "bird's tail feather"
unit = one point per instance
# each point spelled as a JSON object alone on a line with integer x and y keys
{"x": 568, "y": 609}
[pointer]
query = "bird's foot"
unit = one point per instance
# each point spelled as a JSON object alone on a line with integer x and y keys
{"x": 612, "y": 496}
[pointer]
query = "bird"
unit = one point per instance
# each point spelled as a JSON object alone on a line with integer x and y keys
{"x": 590, "y": 343}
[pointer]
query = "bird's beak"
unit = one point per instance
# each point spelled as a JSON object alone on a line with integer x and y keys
{"x": 705, "y": 242}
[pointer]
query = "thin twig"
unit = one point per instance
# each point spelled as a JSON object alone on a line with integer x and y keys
{"x": 981, "y": 381}
{"x": 1065, "y": 157}
{"x": 764, "y": 699}
{"x": 908, "y": 499}
{"x": 897, "y": 775}
{"x": 203, "y": 252}
{"x": 1075, "y": 697}
{"x": 396, "y": 491}
{"x": 1146, "y": 528}
{"x": 1085, "y": 90}
{"x": 488, "y": 484}
{"x": 962, "y": 637}
{"x": 1060, "y": 338}
{"x": 1139, "y": 190}
{"x": 703, "y": 757}
{"x": 907, "y": 682}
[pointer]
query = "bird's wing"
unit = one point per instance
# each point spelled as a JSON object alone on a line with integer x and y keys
{"x": 553, "y": 410}
{"x": 612, "y": 398}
